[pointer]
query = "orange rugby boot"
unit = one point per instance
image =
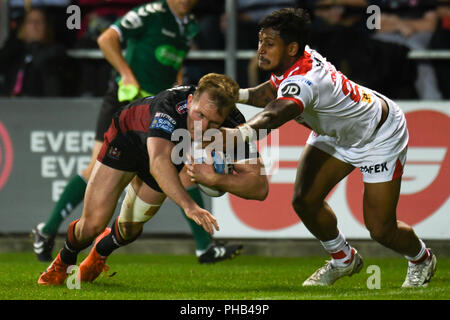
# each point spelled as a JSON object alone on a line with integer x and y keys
{"x": 55, "y": 274}
{"x": 94, "y": 264}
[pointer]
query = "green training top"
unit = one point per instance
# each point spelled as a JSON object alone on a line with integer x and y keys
{"x": 156, "y": 44}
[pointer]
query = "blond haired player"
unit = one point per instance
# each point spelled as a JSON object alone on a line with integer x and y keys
{"x": 138, "y": 149}
{"x": 158, "y": 36}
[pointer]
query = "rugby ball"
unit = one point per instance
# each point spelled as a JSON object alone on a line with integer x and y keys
{"x": 222, "y": 165}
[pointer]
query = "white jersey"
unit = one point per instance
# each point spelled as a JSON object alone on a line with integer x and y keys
{"x": 331, "y": 104}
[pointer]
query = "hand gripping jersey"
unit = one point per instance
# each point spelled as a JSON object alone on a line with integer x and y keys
{"x": 156, "y": 43}
{"x": 331, "y": 104}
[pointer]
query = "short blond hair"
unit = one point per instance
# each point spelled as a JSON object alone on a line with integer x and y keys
{"x": 222, "y": 90}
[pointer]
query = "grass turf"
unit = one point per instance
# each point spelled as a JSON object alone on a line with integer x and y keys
{"x": 164, "y": 277}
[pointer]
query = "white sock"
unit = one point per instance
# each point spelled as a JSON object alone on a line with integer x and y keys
{"x": 339, "y": 249}
{"x": 421, "y": 256}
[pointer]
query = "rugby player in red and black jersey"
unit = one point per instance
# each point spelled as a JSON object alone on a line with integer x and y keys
{"x": 157, "y": 36}
{"x": 138, "y": 149}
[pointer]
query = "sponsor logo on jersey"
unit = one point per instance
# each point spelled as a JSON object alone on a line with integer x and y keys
{"x": 374, "y": 168}
{"x": 114, "y": 153}
{"x": 181, "y": 107}
{"x": 290, "y": 90}
{"x": 131, "y": 21}
{"x": 165, "y": 116}
{"x": 163, "y": 124}
{"x": 170, "y": 56}
{"x": 6, "y": 156}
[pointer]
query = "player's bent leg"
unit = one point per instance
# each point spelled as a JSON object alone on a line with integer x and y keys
{"x": 86, "y": 173}
{"x": 141, "y": 203}
{"x": 104, "y": 189}
{"x": 72, "y": 195}
{"x": 379, "y": 206}
{"x": 124, "y": 230}
{"x": 317, "y": 173}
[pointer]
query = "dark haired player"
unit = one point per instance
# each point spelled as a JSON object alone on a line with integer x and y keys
{"x": 353, "y": 127}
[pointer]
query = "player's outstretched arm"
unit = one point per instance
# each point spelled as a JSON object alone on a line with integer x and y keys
{"x": 258, "y": 96}
{"x": 275, "y": 114}
{"x": 165, "y": 173}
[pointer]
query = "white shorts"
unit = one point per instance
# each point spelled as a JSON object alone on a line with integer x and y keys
{"x": 383, "y": 155}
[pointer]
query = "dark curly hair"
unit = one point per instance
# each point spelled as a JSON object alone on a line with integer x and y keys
{"x": 293, "y": 25}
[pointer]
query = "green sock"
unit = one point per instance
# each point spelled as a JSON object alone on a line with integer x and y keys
{"x": 72, "y": 195}
{"x": 201, "y": 237}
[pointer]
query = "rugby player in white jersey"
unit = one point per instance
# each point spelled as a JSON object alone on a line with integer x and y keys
{"x": 353, "y": 127}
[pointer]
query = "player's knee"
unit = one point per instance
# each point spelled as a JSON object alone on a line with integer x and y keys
{"x": 304, "y": 204}
{"x": 382, "y": 233}
{"x": 130, "y": 230}
{"x": 135, "y": 210}
{"x": 91, "y": 229}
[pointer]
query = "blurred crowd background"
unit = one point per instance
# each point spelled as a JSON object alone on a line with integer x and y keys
{"x": 34, "y": 59}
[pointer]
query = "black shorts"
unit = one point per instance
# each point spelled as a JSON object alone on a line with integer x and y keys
{"x": 110, "y": 105}
{"x": 118, "y": 153}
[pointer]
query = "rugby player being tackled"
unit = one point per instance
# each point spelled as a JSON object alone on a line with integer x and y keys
{"x": 158, "y": 36}
{"x": 138, "y": 150}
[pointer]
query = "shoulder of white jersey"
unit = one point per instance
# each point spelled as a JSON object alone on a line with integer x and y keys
{"x": 297, "y": 88}
{"x": 299, "y": 80}
{"x": 302, "y": 67}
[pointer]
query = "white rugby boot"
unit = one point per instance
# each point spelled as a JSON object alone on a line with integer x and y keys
{"x": 419, "y": 275}
{"x": 328, "y": 274}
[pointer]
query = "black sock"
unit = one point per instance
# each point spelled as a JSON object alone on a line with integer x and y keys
{"x": 69, "y": 254}
{"x": 107, "y": 245}
{"x": 113, "y": 240}
{"x": 71, "y": 247}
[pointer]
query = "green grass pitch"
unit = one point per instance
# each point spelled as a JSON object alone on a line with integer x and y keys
{"x": 164, "y": 277}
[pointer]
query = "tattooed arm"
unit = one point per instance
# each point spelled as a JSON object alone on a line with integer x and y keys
{"x": 261, "y": 95}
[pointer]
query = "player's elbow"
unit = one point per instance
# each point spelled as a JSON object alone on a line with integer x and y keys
{"x": 155, "y": 165}
{"x": 264, "y": 190}
{"x": 101, "y": 40}
{"x": 107, "y": 37}
{"x": 260, "y": 189}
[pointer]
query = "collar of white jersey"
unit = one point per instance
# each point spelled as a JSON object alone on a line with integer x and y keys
{"x": 301, "y": 66}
